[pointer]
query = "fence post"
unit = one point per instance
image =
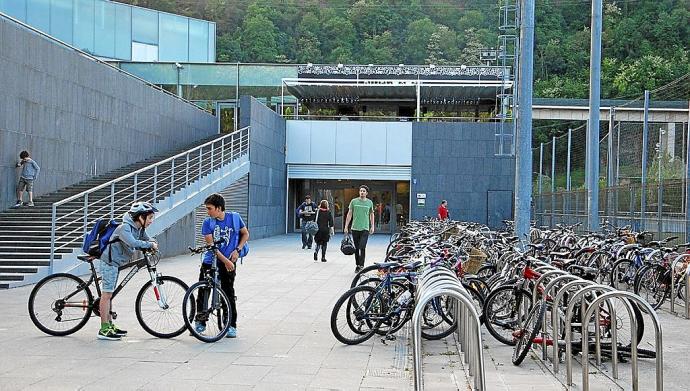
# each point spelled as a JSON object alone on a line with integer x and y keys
{"x": 660, "y": 188}
{"x": 687, "y": 179}
{"x": 645, "y": 146}
{"x": 52, "y": 237}
{"x": 553, "y": 177}
{"x": 136, "y": 186}
{"x": 172, "y": 177}
{"x": 155, "y": 183}
{"x": 541, "y": 165}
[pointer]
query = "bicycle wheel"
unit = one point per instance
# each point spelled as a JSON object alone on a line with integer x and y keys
{"x": 526, "y": 334}
{"x": 504, "y": 310}
{"x": 438, "y": 320}
{"x": 60, "y": 304}
{"x": 354, "y": 325}
{"x": 622, "y": 275}
{"x": 162, "y": 322}
{"x": 395, "y": 309}
{"x": 200, "y": 310}
{"x": 650, "y": 285}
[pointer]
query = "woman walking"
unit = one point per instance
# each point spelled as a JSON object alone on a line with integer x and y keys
{"x": 324, "y": 219}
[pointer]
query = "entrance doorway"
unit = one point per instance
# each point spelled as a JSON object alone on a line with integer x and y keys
{"x": 390, "y": 199}
{"x": 227, "y": 116}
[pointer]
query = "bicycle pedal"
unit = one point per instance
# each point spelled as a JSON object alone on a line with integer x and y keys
{"x": 113, "y": 314}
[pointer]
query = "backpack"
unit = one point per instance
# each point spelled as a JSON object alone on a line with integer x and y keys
{"x": 98, "y": 238}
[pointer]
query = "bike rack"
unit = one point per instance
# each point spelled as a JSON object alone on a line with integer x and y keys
{"x": 568, "y": 328}
{"x": 551, "y": 285}
{"x": 675, "y": 290}
{"x": 535, "y": 291}
{"x": 437, "y": 282}
{"x": 626, "y": 297}
{"x": 554, "y": 315}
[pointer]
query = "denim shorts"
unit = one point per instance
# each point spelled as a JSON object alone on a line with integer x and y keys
{"x": 27, "y": 184}
{"x": 109, "y": 274}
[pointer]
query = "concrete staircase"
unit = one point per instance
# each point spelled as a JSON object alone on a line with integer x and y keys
{"x": 25, "y": 233}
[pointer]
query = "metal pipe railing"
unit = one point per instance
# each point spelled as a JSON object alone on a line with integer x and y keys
{"x": 153, "y": 182}
{"x": 675, "y": 290}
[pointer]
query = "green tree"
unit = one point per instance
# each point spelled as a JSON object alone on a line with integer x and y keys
{"x": 309, "y": 50}
{"x": 379, "y": 49}
{"x": 418, "y": 35}
{"x": 258, "y": 39}
{"x": 339, "y": 40}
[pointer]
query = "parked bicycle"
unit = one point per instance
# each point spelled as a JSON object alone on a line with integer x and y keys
{"x": 62, "y": 303}
{"x": 205, "y": 305}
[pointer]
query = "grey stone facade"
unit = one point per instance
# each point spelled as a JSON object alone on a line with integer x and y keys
{"x": 456, "y": 162}
{"x": 79, "y": 117}
{"x": 267, "y": 172}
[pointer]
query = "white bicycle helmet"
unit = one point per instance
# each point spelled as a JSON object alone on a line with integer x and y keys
{"x": 139, "y": 208}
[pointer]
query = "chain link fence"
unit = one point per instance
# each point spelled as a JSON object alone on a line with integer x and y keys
{"x": 642, "y": 169}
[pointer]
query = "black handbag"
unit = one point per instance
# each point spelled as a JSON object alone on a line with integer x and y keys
{"x": 347, "y": 246}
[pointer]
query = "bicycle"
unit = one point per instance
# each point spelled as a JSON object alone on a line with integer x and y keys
{"x": 207, "y": 322}
{"x": 62, "y": 303}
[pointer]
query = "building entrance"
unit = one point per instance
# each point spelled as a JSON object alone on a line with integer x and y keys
{"x": 391, "y": 200}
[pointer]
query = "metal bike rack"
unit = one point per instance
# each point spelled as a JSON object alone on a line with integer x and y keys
{"x": 554, "y": 315}
{"x": 674, "y": 292}
{"x": 438, "y": 282}
{"x": 568, "y": 327}
{"x": 551, "y": 285}
{"x": 541, "y": 278}
{"x": 626, "y": 297}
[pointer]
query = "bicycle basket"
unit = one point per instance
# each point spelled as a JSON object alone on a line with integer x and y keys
{"x": 475, "y": 261}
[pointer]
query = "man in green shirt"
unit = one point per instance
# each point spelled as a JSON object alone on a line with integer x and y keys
{"x": 361, "y": 213}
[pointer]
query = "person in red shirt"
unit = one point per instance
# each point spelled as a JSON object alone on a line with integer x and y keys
{"x": 443, "y": 210}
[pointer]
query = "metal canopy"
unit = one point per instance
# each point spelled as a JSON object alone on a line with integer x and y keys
{"x": 430, "y": 91}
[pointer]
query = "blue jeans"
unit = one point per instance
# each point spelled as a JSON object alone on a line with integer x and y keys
{"x": 307, "y": 238}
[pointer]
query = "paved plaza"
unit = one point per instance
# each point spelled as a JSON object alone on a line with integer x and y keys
{"x": 284, "y": 341}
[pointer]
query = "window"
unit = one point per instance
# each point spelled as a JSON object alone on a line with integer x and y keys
{"x": 198, "y": 41}
{"x": 38, "y": 14}
{"x": 105, "y": 29}
{"x": 144, "y": 26}
{"x": 61, "y": 20}
{"x": 83, "y": 25}
{"x": 174, "y": 38}
{"x": 144, "y": 52}
{"x": 123, "y": 32}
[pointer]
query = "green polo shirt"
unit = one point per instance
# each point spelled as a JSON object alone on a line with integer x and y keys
{"x": 360, "y": 213}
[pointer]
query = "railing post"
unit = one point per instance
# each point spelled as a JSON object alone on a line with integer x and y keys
{"x": 112, "y": 200}
{"x": 200, "y": 155}
{"x": 155, "y": 183}
{"x": 136, "y": 187}
{"x": 212, "y": 156}
{"x": 52, "y": 237}
{"x": 172, "y": 177}
{"x": 222, "y": 152}
{"x": 86, "y": 212}
{"x": 186, "y": 171}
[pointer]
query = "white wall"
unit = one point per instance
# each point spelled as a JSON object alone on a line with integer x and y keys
{"x": 349, "y": 142}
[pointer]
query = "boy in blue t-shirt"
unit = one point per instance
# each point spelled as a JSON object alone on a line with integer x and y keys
{"x": 229, "y": 227}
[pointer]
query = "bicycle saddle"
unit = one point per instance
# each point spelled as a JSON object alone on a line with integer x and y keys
{"x": 386, "y": 265}
{"x": 86, "y": 258}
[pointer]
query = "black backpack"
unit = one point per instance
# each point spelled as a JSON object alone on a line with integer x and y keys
{"x": 347, "y": 247}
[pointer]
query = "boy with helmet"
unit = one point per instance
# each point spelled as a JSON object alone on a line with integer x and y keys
{"x": 127, "y": 237}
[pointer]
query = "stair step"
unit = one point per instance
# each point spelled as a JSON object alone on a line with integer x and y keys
{"x": 10, "y": 277}
{"x": 18, "y": 270}
{"x": 23, "y": 262}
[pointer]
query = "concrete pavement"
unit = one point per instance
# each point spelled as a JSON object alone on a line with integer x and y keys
{"x": 284, "y": 340}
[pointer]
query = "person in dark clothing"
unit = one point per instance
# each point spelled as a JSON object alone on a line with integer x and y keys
{"x": 306, "y": 212}
{"x": 324, "y": 219}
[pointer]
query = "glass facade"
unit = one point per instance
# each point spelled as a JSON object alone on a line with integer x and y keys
{"x": 118, "y": 31}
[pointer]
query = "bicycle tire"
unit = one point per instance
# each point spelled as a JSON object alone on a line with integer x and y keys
{"x": 364, "y": 274}
{"x": 347, "y": 300}
{"x": 394, "y": 323}
{"x": 82, "y": 318}
{"x": 222, "y": 316}
{"x": 643, "y": 283}
{"x": 172, "y": 310}
{"x": 515, "y": 304}
{"x": 533, "y": 324}
{"x": 620, "y": 271}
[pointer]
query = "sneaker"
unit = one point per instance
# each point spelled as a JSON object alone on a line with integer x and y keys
{"x": 304, "y": 246}
{"x": 199, "y": 327}
{"x": 18, "y": 204}
{"x": 323, "y": 259}
{"x": 316, "y": 257}
{"x": 309, "y": 247}
{"x": 118, "y": 331}
{"x": 109, "y": 335}
{"x": 232, "y": 332}
{"x": 30, "y": 204}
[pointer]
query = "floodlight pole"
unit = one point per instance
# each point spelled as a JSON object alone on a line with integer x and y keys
{"x": 523, "y": 155}
{"x": 593, "y": 124}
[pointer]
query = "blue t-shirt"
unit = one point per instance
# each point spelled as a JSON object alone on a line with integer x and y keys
{"x": 222, "y": 229}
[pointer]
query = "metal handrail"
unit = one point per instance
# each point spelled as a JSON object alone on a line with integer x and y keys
{"x": 174, "y": 172}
